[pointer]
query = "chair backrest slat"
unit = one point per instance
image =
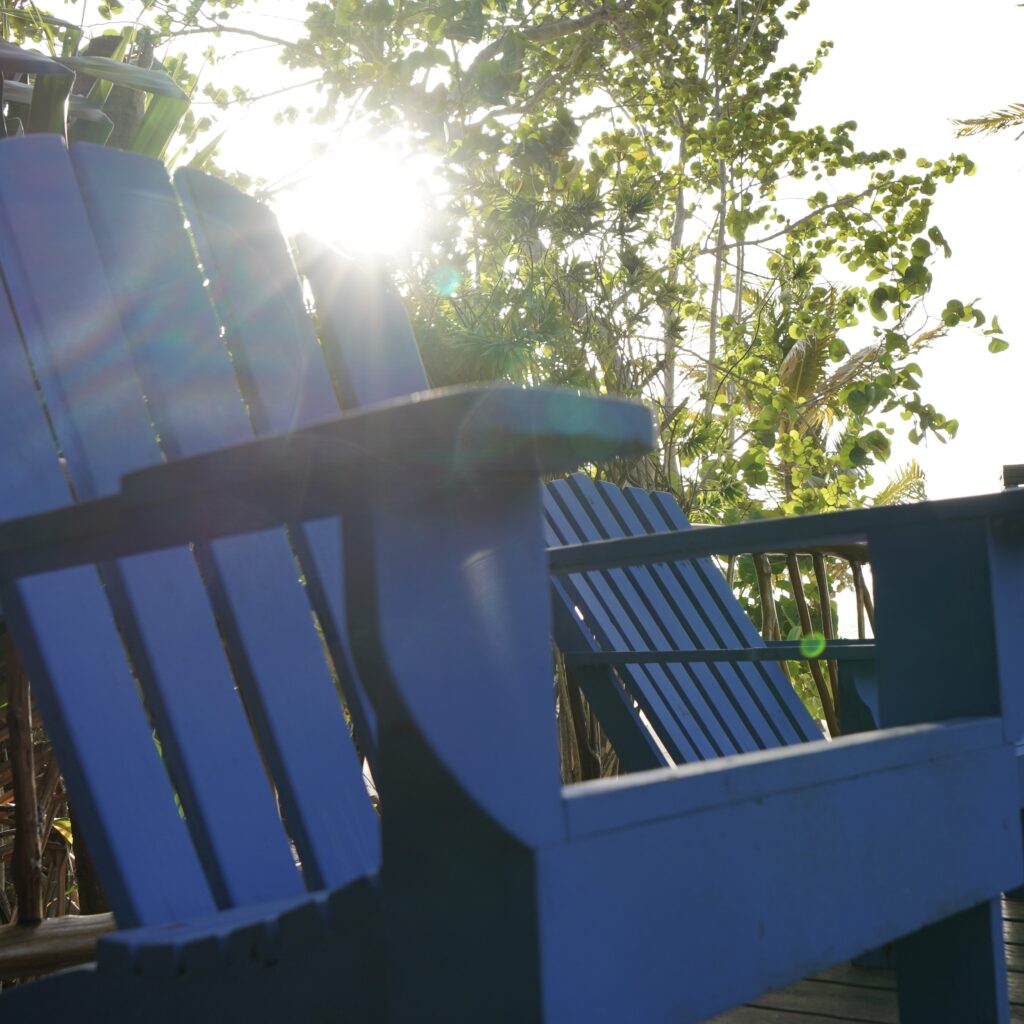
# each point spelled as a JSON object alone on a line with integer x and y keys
{"x": 608, "y": 598}
{"x": 193, "y": 396}
{"x": 709, "y": 592}
{"x": 283, "y": 378}
{"x": 70, "y": 324}
{"x": 368, "y": 341}
{"x": 674, "y": 626}
{"x": 694, "y": 611}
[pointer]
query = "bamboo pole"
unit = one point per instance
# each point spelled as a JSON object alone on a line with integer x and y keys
{"x": 865, "y": 593}
{"x": 827, "y": 705}
{"x": 827, "y": 626}
{"x": 27, "y": 863}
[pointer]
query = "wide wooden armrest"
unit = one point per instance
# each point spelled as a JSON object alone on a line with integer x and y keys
{"x": 630, "y": 801}
{"x": 762, "y": 868}
{"x": 455, "y": 432}
{"x": 434, "y": 439}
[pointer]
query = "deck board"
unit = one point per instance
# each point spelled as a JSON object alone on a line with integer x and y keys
{"x": 845, "y": 994}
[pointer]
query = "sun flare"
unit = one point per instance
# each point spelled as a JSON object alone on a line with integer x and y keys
{"x": 368, "y": 199}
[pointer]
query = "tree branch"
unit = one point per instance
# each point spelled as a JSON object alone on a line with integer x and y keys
{"x": 839, "y": 204}
{"x": 548, "y": 31}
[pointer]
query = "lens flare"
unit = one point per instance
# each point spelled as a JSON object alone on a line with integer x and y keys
{"x": 446, "y": 280}
{"x": 812, "y": 645}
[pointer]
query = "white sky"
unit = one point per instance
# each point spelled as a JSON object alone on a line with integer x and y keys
{"x": 902, "y": 69}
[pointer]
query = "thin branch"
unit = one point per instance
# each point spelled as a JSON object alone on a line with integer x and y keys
{"x": 549, "y": 31}
{"x": 842, "y": 203}
{"x": 234, "y": 30}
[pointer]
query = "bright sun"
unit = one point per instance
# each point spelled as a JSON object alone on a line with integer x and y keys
{"x": 368, "y": 198}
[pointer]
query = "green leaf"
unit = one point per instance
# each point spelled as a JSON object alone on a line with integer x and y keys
{"x": 15, "y": 60}
{"x": 159, "y": 123}
{"x": 150, "y": 80}
{"x": 857, "y": 400}
{"x": 998, "y": 345}
{"x": 101, "y": 87}
{"x": 937, "y": 237}
{"x": 203, "y": 156}
{"x": 48, "y": 111}
{"x": 96, "y": 130}
{"x": 876, "y": 303}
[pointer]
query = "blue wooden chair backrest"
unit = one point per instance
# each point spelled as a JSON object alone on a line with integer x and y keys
{"x": 120, "y": 293}
{"x": 697, "y": 711}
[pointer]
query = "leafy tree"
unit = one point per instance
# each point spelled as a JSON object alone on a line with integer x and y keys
{"x": 636, "y": 208}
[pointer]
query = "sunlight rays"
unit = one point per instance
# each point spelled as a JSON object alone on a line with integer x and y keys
{"x": 370, "y": 199}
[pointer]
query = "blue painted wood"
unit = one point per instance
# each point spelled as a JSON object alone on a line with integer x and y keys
{"x": 709, "y": 592}
{"x": 680, "y": 616}
{"x": 682, "y": 608}
{"x": 71, "y": 331}
{"x": 664, "y": 627}
{"x": 65, "y": 632}
{"x": 442, "y": 577}
{"x": 447, "y": 582}
{"x": 604, "y": 630}
{"x": 743, "y": 919}
{"x": 196, "y": 406}
{"x": 955, "y": 969}
{"x": 781, "y": 534}
{"x": 259, "y": 301}
{"x": 368, "y": 340}
{"x": 301, "y": 962}
{"x": 282, "y": 375}
{"x": 718, "y": 855}
{"x": 775, "y": 650}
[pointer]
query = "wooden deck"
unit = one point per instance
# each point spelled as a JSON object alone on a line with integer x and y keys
{"x": 859, "y": 995}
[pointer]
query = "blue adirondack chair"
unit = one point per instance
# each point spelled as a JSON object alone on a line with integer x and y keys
{"x": 745, "y": 706}
{"x": 407, "y": 636}
{"x": 150, "y": 329}
{"x": 667, "y": 895}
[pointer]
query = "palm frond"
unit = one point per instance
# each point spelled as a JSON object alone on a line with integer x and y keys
{"x": 857, "y": 364}
{"x": 905, "y": 486}
{"x": 802, "y": 367}
{"x": 997, "y": 121}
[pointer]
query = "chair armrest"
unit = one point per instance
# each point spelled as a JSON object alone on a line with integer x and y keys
{"x": 630, "y": 801}
{"x": 436, "y": 438}
{"x": 835, "y": 650}
{"x": 849, "y": 527}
